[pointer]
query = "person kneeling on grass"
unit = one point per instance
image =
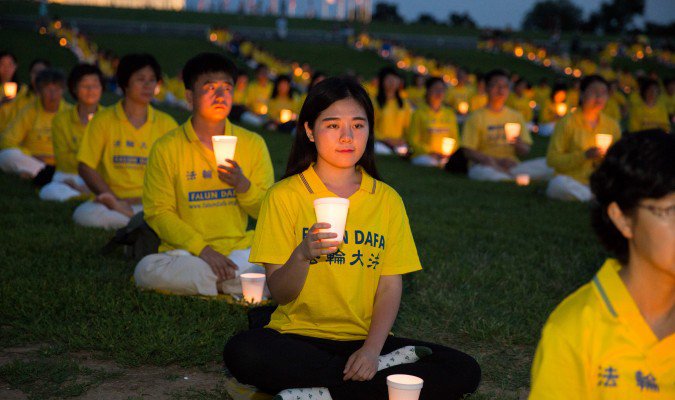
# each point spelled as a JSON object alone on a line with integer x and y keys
{"x": 330, "y": 336}
{"x": 115, "y": 147}
{"x": 431, "y": 124}
{"x": 85, "y": 84}
{"x": 200, "y": 209}
{"x": 26, "y": 144}
{"x": 614, "y": 338}
{"x": 494, "y": 157}
{"x": 572, "y": 151}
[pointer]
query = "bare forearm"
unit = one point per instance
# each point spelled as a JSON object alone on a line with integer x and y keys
{"x": 287, "y": 282}
{"x": 385, "y": 309}
{"x": 93, "y": 179}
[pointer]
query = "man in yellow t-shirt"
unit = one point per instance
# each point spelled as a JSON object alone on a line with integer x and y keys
{"x": 115, "y": 147}
{"x": 259, "y": 92}
{"x": 199, "y": 209}
{"x": 494, "y": 157}
{"x": 573, "y": 151}
{"x": 27, "y": 142}
{"x": 85, "y": 83}
{"x": 431, "y": 125}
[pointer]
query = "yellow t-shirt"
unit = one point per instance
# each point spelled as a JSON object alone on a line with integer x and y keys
{"x": 118, "y": 151}
{"x": 613, "y": 109}
{"x": 669, "y": 101}
{"x": 478, "y": 101}
{"x": 278, "y": 104}
{"x": 31, "y": 131}
{"x": 642, "y": 117}
{"x": 597, "y": 346}
{"x": 416, "y": 95}
{"x": 67, "y": 133}
{"x": 9, "y": 110}
{"x": 549, "y": 112}
{"x": 258, "y": 96}
{"x": 483, "y": 131}
{"x": 392, "y": 121}
{"x": 337, "y": 299}
{"x": 458, "y": 94}
{"x": 186, "y": 203}
{"x": 571, "y": 138}
{"x": 428, "y": 128}
{"x": 541, "y": 95}
{"x": 520, "y": 104}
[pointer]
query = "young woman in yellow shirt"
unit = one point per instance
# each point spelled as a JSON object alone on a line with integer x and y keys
{"x": 392, "y": 114}
{"x": 338, "y": 300}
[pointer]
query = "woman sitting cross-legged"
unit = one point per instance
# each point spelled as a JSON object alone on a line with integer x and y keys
{"x": 330, "y": 335}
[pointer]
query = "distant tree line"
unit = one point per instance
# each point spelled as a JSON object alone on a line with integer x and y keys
{"x": 612, "y": 17}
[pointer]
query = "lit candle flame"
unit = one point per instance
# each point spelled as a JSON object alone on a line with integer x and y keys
{"x": 10, "y": 89}
{"x": 447, "y": 146}
{"x": 285, "y": 116}
{"x": 463, "y": 107}
{"x": 561, "y": 109}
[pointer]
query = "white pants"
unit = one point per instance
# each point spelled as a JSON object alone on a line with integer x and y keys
{"x": 546, "y": 129}
{"x": 426, "y": 160}
{"x": 535, "y": 168}
{"x": 13, "y": 161}
{"x": 58, "y": 190}
{"x": 252, "y": 119}
{"x": 383, "y": 149}
{"x": 563, "y": 187}
{"x": 96, "y": 215}
{"x": 179, "y": 272}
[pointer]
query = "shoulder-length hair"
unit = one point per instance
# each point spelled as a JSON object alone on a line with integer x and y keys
{"x": 381, "y": 96}
{"x": 323, "y": 95}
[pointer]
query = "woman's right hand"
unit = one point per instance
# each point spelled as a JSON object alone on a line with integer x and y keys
{"x": 316, "y": 243}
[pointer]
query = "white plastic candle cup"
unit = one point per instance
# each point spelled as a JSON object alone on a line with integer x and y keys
{"x": 223, "y": 147}
{"x": 463, "y": 107}
{"x": 561, "y": 109}
{"x": 404, "y": 387}
{"x": 522, "y": 179}
{"x": 603, "y": 141}
{"x": 10, "y": 89}
{"x": 512, "y": 131}
{"x": 332, "y": 210}
{"x": 252, "y": 286}
{"x": 285, "y": 116}
{"x": 447, "y": 146}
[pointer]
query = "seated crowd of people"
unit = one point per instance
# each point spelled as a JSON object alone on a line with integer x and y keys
{"x": 330, "y": 335}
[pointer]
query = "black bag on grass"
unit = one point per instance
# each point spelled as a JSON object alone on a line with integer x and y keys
{"x": 138, "y": 239}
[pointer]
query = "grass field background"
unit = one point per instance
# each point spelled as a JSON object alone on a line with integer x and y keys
{"x": 497, "y": 259}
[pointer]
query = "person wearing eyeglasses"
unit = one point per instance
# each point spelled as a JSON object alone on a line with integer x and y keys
{"x": 614, "y": 338}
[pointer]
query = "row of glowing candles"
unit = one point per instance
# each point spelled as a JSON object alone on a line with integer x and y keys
{"x": 560, "y": 108}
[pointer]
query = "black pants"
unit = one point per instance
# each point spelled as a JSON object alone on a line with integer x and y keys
{"x": 273, "y": 362}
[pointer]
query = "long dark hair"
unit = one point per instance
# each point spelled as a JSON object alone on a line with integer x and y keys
{"x": 322, "y": 96}
{"x": 275, "y": 88}
{"x": 381, "y": 97}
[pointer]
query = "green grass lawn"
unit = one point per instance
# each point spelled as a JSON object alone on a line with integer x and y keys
{"x": 497, "y": 259}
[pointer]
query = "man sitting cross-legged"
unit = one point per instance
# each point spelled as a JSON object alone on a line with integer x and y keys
{"x": 200, "y": 209}
{"x": 493, "y": 154}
